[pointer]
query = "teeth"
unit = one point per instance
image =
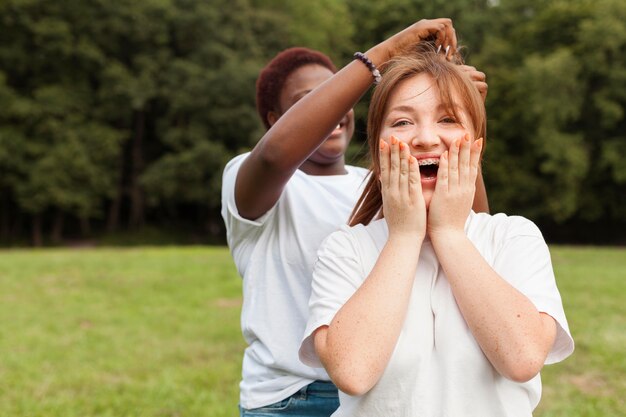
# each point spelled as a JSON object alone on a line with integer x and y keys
{"x": 429, "y": 161}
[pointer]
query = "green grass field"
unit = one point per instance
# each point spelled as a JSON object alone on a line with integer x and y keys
{"x": 155, "y": 332}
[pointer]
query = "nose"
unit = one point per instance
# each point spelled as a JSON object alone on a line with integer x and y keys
{"x": 425, "y": 139}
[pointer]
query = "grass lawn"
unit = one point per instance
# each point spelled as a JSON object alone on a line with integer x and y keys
{"x": 155, "y": 332}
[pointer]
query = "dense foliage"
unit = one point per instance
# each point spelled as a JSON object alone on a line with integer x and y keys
{"x": 119, "y": 115}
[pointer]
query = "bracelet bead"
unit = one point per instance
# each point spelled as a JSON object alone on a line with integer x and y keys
{"x": 370, "y": 65}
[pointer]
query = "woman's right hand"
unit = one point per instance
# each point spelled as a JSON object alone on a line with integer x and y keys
{"x": 403, "y": 203}
{"x": 441, "y": 29}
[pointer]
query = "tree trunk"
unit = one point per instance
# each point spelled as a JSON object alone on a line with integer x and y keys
{"x": 85, "y": 226}
{"x": 113, "y": 221}
{"x": 137, "y": 164}
{"x": 5, "y": 216}
{"x": 57, "y": 227}
{"x": 37, "y": 234}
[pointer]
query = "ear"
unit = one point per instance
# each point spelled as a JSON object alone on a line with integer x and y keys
{"x": 272, "y": 117}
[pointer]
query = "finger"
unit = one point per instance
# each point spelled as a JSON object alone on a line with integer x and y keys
{"x": 394, "y": 164}
{"x": 438, "y": 28}
{"x": 464, "y": 160}
{"x": 383, "y": 158}
{"x": 478, "y": 76}
{"x": 453, "y": 164}
{"x": 477, "y": 148}
{"x": 442, "y": 173}
{"x": 482, "y": 89}
{"x": 479, "y": 79}
{"x": 451, "y": 39}
{"x": 415, "y": 184}
{"x": 467, "y": 68}
{"x": 404, "y": 170}
{"x": 473, "y": 73}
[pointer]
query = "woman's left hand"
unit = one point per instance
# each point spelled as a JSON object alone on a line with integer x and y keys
{"x": 456, "y": 185}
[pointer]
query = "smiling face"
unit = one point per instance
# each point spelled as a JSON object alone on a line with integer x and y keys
{"x": 428, "y": 103}
{"x": 298, "y": 84}
{"x": 417, "y": 115}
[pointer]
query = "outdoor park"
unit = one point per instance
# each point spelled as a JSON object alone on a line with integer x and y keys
{"x": 155, "y": 332}
{"x": 118, "y": 294}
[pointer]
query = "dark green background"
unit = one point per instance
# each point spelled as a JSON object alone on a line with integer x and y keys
{"x": 117, "y": 117}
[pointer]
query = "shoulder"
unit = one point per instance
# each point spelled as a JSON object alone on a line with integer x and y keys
{"x": 359, "y": 241}
{"x": 234, "y": 164}
{"x": 357, "y": 171}
{"x": 501, "y": 226}
{"x": 231, "y": 169}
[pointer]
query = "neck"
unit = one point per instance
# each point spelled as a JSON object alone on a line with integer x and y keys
{"x": 312, "y": 168}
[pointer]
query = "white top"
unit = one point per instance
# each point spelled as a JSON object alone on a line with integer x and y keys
{"x": 437, "y": 368}
{"x": 275, "y": 255}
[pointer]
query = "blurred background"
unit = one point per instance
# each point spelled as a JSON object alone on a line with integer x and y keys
{"x": 119, "y": 116}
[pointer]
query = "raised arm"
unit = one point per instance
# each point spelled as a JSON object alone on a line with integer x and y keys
{"x": 301, "y": 130}
{"x": 356, "y": 347}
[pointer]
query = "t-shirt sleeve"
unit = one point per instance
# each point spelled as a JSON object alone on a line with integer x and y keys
{"x": 337, "y": 275}
{"x": 524, "y": 261}
{"x": 241, "y": 233}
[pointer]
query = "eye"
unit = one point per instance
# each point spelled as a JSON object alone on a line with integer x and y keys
{"x": 400, "y": 123}
{"x": 448, "y": 120}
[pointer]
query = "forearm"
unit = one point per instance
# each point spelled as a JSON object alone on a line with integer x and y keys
{"x": 308, "y": 123}
{"x": 356, "y": 347}
{"x": 294, "y": 137}
{"x": 514, "y": 336}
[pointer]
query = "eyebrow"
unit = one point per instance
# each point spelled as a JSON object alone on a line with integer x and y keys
{"x": 407, "y": 108}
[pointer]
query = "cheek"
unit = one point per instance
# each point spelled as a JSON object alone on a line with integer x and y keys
{"x": 449, "y": 136}
{"x": 403, "y": 135}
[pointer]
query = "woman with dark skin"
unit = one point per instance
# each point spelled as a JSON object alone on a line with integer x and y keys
{"x": 284, "y": 197}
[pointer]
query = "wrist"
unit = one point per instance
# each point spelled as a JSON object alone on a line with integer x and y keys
{"x": 378, "y": 54}
{"x": 447, "y": 236}
{"x": 406, "y": 238}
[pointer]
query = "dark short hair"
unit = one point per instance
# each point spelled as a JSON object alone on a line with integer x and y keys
{"x": 272, "y": 78}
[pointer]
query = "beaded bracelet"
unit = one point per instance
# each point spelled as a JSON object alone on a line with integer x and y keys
{"x": 370, "y": 65}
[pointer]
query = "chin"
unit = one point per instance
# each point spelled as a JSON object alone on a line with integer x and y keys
{"x": 331, "y": 151}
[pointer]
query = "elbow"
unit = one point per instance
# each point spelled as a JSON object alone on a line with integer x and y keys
{"x": 271, "y": 155}
{"x": 353, "y": 384}
{"x": 524, "y": 367}
{"x": 351, "y": 378}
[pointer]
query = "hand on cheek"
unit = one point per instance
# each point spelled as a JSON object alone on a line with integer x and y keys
{"x": 403, "y": 202}
{"x": 456, "y": 185}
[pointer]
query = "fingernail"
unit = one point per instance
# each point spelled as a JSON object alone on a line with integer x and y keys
{"x": 445, "y": 155}
{"x": 382, "y": 145}
{"x": 458, "y": 143}
{"x": 401, "y": 145}
{"x": 466, "y": 138}
{"x": 394, "y": 140}
{"x": 479, "y": 143}
{"x": 412, "y": 160}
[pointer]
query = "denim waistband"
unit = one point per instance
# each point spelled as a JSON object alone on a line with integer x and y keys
{"x": 320, "y": 387}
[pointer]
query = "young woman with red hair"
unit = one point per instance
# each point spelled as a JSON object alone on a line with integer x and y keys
{"x": 423, "y": 307}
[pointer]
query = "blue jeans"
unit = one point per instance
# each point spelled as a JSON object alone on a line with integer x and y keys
{"x": 318, "y": 399}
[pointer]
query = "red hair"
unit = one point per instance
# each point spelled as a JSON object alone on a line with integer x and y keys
{"x": 272, "y": 78}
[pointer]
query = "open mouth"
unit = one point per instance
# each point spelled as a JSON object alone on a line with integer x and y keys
{"x": 338, "y": 129}
{"x": 428, "y": 168}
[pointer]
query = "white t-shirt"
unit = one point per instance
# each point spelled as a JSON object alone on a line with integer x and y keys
{"x": 275, "y": 255}
{"x": 437, "y": 368}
